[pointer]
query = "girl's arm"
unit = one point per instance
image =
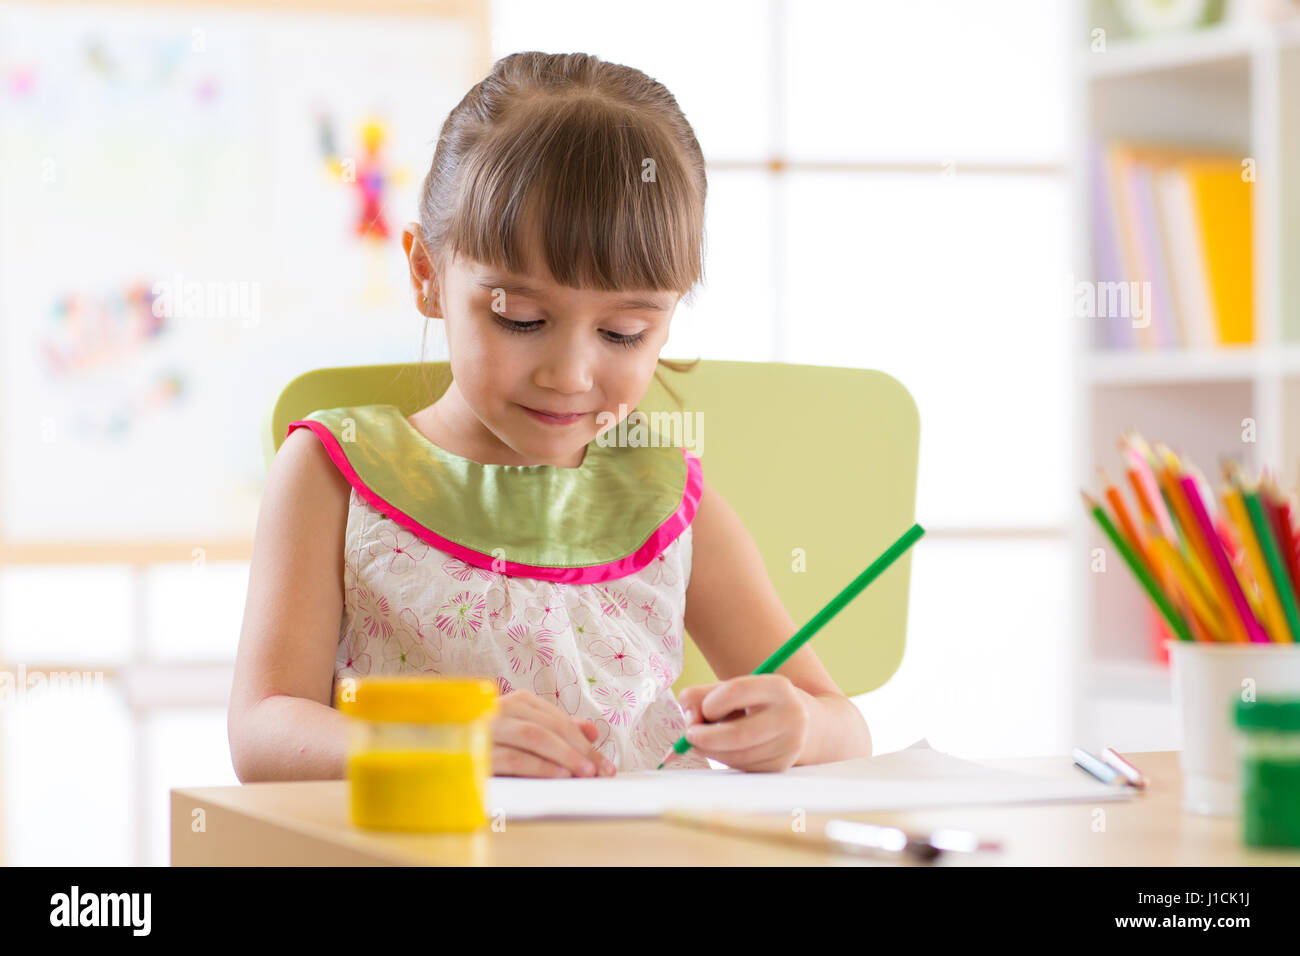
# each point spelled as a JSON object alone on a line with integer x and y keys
{"x": 737, "y": 620}
{"x": 280, "y": 722}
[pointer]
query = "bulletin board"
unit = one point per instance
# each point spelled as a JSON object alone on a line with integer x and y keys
{"x": 198, "y": 202}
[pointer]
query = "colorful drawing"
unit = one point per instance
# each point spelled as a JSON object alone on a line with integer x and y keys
{"x": 371, "y": 176}
{"x": 100, "y": 341}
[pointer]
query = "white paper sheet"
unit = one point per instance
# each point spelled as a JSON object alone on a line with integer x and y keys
{"x": 906, "y": 779}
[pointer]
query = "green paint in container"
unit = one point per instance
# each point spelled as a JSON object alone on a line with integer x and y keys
{"x": 1269, "y": 730}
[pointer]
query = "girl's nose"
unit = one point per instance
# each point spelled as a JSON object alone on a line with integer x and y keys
{"x": 566, "y": 369}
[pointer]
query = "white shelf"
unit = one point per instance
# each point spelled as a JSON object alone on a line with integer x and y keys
{"x": 1237, "y": 85}
{"x": 1229, "y": 45}
{"x": 1173, "y": 366}
{"x": 1212, "y": 46}
{"x": 1177, "y": 366}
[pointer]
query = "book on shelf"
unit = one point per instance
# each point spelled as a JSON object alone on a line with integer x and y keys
{"x": 1172, "y": 251}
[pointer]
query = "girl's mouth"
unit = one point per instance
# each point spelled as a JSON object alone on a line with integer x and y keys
{"x": 554, "y": 419}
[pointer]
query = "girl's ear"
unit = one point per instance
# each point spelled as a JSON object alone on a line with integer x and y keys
{"x": 424, "y": 278}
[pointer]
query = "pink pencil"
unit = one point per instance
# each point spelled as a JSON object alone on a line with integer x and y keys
{"x": 1216, "y": 549}
{"x": 1139, "y": 464}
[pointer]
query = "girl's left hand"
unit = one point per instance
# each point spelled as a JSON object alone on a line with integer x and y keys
{"x": 757, "y": 722}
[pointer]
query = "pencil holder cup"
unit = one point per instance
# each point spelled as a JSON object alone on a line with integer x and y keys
{"x": 1208, "y": 681}
{"x": 418, "y": 751}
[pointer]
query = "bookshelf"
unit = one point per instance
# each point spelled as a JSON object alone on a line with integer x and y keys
{"x": 1234, "y": 86}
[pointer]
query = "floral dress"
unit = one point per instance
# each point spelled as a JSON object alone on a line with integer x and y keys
{"x": 569, "y": 583}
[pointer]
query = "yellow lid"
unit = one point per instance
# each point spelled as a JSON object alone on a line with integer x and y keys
{"x": 412, "y": 699}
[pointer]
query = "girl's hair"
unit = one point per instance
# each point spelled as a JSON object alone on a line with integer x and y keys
{"x": 597, "y": 154}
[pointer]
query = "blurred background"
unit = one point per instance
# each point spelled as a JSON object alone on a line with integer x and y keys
{"x": 201, "y": 200}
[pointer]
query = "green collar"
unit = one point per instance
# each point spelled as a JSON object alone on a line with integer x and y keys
{"x": 605, "y": 519}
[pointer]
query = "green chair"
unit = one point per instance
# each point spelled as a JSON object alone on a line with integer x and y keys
{"x": 820, "y": 463}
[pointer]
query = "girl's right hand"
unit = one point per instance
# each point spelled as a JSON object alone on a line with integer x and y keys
{"x": 532, "y": 737}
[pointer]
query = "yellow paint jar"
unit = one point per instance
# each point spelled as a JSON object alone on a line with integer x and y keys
{"x": 419, "y": 751}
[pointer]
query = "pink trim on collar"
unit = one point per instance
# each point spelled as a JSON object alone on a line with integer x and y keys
{"x": 664, "y": 535}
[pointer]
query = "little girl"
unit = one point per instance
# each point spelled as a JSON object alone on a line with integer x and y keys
{"x": 490, "y": 533}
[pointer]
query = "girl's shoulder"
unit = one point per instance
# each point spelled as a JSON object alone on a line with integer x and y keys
{"x": 607, "y": 518}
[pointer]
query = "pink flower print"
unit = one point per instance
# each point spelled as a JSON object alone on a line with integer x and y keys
{"x": 499, "y": 606}
{"x": 659, "y": 736}
{"x": 639, "y": 739}
{"x": 463, "y": 571}
{"x": 405, "y": 653}
{"x": 529, "y": 648}
{"x": 504, "y": 687}
{"x": 430, "y": 653}
{"x": 373, "y": 612}
{"x": 587, "y": 623}
{"x": 660, "y": 571}
{"x": 613, "y": 602}
{"x": 613, "y": 656}
{"x": 617, "y": 704}
{"x": 404, "y": 547}
{"x": 349, "y": 574}
{"x": 673, "y": 641}
{"x": 647, "y": 611}
{"x": 559, "y": 682}
{"x": 662, "y": 672}
{"x": 544, "y": 609}
{"x": 674, "y": 720}
{"x": 461, "y": 616}
{"x": 352, "y": 654}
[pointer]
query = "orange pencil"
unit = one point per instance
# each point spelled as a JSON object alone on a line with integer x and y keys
{"x": 1139, "y": 492}
{"x": 1135, "y": 538}
{"x": 1168, "y": 478}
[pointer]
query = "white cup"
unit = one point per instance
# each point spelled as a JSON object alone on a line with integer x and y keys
{"x": 1208, "y": 680}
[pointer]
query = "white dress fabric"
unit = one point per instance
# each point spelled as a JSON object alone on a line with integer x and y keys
{"x": 607, "y": 651}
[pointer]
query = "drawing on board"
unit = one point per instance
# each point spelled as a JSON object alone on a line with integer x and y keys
{"x": 174, "y": 250}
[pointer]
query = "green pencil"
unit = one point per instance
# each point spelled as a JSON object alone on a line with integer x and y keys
{"x": 1175, "y": 619}
{"x": 782, "y": 653}
{"x": 1274, "y": 559}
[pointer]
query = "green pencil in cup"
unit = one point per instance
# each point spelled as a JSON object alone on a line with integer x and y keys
{"x": 784, "y": 652}
{"x": 1172, "y": 617}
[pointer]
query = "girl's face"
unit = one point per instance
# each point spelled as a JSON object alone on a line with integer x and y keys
{"x": 522, "y": 346}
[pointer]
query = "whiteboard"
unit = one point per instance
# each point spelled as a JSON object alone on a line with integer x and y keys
{"x": 175, "y": 246}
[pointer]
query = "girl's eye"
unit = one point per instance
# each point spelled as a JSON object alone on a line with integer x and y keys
{"x": 628, "y": 341}
{"x": 522, "y": 328}
{"x": 517, "y": 326}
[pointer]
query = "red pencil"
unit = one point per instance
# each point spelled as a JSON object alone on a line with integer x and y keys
{"x": 1280, "y": 517}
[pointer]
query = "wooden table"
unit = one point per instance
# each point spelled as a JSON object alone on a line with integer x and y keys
{"x": 306, "y": 824}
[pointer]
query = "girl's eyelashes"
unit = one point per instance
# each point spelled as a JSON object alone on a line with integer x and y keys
{"x": 523, "y": 328}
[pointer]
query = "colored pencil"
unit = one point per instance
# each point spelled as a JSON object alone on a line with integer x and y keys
{"x": 1288, "y": 539}
{"x": 1126, "y": 524}
{"x": 1270, "y": 602}
{"x": 1198, "y": 555}
{"x": 1150, "y": 492}
{"x": 1279, "y": 577}
{"x": 1219, "y": 556}
{"x": 1281, "y": 532}
{"x": 1174, "y": 619}
{"x": 835, "y": 605}
{"x": 1130, "y": 773}
{"x": 1201, "y": 605}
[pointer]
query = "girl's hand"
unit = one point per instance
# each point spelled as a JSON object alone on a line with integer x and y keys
{"x": 755, "y": 722}
{"x": 532, "y": 737}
